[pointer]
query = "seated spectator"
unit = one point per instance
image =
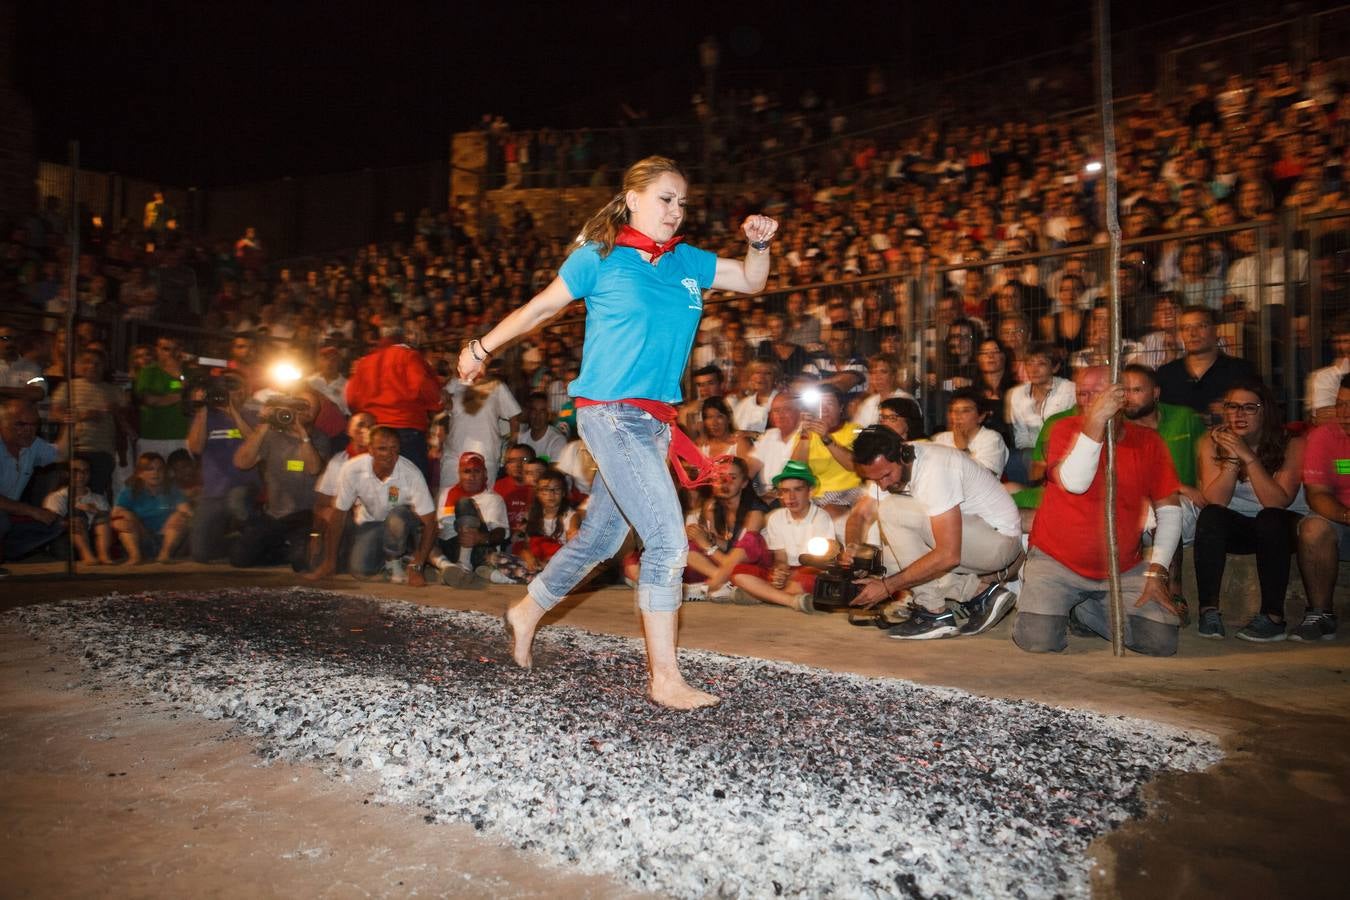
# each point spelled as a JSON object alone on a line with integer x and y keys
{"x": 780, "y": 349}
{"x": 955, "y": 535}
{"x": 1324, "y": 384}
{"x": 92, "y": 529}
{"x": 838, "y": 365}
{"x": 514, "y": 488}
{"x": 966, "y": 431}
{"x": 21, "y": 375}
{"x": 1066, "y": 569}
{"x": 708, "y": 383}
{"x": 996, "y": 378}
{"x": 882, "y": 382}
{"x": 788, "y": 532}
{"x": 473, "y": 523}
{"x": 228, "y": 494}
{"x": 330, "y": 379}
{"x": 1323, "y": 535}
{"x": 773, "y": 448}
{"x": 751, "y": 412}
{"x": 1029, "y": 405}
{"x": 1251, "y": 476}
{"x": 540, "y": 434}
{"x": 291, "y": 458}
{"x": 724, "y": 534}
{"x": 718, "y": 437}
{"x": 1195, "y": 286}
{"x": 395, "y": 522}
{"x": 1162, "y": 344}
{"x": 825, "y": 444}
{"x": 98, "y": 409}
{"x": 1097, "y": 346}
{"x": 551, "y": 523}
{"x": 23, "y": 527}
{"x": 150, "y": 515}
{"x": 1201, "y": 377}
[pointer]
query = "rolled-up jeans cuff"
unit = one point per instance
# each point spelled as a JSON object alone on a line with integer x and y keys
{"x": 659, "y": 597}
{"x": 542, "y": 595}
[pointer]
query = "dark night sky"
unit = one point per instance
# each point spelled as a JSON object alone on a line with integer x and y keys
{"x": 204, "y": 92}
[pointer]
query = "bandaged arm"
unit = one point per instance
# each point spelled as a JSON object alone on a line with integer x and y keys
{"x": 1080, "y": 466}
{"x": 1167, "y": 535}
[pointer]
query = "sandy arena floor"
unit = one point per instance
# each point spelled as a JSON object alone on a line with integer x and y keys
{"x": 113, "y": 794}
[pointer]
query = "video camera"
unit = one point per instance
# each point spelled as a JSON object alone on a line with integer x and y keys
{"x": 835, "y": 588}
{"x": 213, "y": 380}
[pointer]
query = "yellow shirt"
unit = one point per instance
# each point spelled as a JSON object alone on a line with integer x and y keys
{"x": 830, "y": 475}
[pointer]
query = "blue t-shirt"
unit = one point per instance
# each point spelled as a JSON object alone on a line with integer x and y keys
{"x": 640, "y": 319}
{"x": 152, "y": 509}
{"x": 219, "y": 474}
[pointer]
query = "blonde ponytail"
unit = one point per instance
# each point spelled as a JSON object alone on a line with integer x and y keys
{"x": 603, "y": 227}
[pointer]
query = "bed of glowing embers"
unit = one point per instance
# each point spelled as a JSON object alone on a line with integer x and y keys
{"x": 802, "y": 782}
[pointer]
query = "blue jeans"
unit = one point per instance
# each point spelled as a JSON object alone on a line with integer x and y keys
{"x": 21, "y": 537}
{"x": 214, "y": 518}
{"x": 412, "y": 446}
{"x": 377, "y": 542}
{"x": 633, "y": 487}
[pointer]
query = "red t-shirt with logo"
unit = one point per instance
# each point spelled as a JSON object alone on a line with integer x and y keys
{"x": 1326, "y": 460}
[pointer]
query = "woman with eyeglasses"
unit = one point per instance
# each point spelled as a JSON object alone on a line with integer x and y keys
{"x": 1251, "y": 474}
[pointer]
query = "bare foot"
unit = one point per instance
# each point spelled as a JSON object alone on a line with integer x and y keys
{"x": 675, "y": 693}
{"x": 520, "y": 620}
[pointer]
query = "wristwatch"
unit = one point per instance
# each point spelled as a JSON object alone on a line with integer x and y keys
{"x": 827, "y": 440}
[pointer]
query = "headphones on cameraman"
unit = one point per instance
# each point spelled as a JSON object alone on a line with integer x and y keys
{"x": 904, "y": 451}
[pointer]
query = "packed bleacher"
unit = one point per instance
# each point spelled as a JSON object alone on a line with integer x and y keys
{"x": 950, "y": 285}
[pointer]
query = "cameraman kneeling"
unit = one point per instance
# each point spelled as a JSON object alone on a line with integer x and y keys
{"x": 951, "y": 527}
{"x": 291, "y": 453}
{"x": 229, "y": 493}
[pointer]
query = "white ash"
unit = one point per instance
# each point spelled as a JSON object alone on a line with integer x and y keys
{"x": 803, "y": 782}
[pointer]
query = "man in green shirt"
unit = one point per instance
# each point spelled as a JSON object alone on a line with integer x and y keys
{"x": 159, "y": 399}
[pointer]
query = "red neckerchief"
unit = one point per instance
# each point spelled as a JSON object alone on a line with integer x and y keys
{"x": 629, "y": 236}
{"x": 683, "y": 451}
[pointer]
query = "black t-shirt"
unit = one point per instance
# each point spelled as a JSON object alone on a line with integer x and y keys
{"x": 1178, "y": 387}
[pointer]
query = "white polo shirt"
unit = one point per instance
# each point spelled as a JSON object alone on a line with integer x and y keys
{"x": 405, "y": 486}
{"x": 782, "y": 532}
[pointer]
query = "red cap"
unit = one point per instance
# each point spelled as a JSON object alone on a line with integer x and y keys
{"x": 471, "y": 460}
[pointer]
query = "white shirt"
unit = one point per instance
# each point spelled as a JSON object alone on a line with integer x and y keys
{"x": 1324, "y": 384}
{"x": 986, "y": 448}
{"x": 868, "y": 410}
{"x": 1026, "y": 419}
{"x": 490, "y": 503}
{"x": 335, "y": 390}
{"x": 773, "y": 452}
{"x": 550, "y": 445}
{"x": 943, "y": 478}
{"x": 782, "y": 532}
{"x": 405, "y": 486}
{"x": 1244, "y": 276}
{"x": 480, "y": 432}
{"x": 749, "y": 414}
{"x": 56, "y": 502}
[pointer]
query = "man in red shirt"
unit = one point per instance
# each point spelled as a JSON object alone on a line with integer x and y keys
{"x": 395, "y": 385}
{"x": 1065, "y": 576}
{"x": 1324, "y": 534}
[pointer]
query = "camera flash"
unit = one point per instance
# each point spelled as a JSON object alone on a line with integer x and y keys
{"x": 818, "y": 546}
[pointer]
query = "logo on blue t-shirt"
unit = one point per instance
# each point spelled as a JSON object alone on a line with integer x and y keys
{"x": 695, "y": 295}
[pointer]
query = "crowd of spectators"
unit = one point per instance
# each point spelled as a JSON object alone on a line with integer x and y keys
{"x": 380, "y": 460}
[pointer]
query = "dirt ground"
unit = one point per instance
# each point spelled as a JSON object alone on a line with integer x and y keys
{"x": 110, "y": 794}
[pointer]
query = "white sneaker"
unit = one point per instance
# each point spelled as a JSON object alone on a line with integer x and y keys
{"x": 725, "y": 594}
{"x": 396, "y": 571}
{"x": 696, "y": 591}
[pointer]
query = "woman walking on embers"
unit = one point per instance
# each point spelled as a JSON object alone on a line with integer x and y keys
{"x": 643, "y": 291}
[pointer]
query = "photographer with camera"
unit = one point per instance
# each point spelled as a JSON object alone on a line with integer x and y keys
{"x": 290, "y": 453}
{"x": 952, "y": 528}
{"x": 228, "y": 493}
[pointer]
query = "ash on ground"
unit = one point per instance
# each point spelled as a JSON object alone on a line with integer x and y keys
{"x": 803, "y": 782}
